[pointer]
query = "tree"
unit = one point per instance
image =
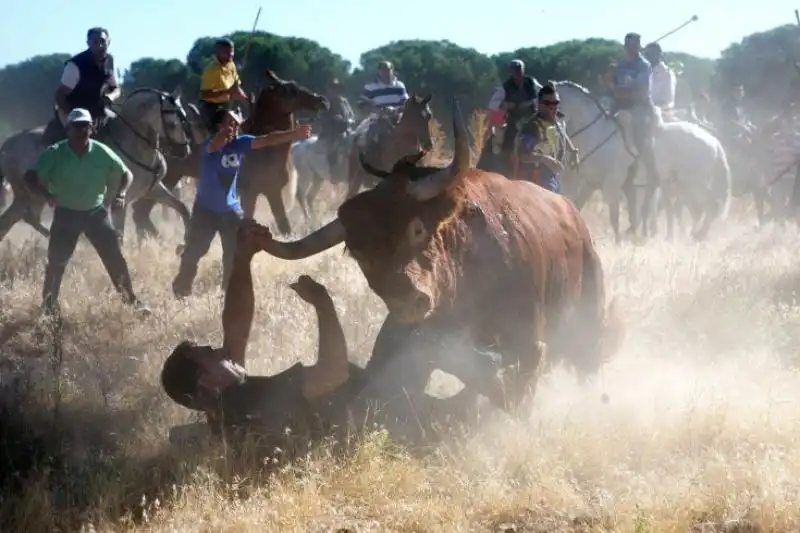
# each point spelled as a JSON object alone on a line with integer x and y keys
{"x": 163, "y": 74}
{"x": 439, "y": 68}
{"x": 27, "y": 88}
{"x": 764, "y": 64}
{"x": 294, "y": 58}
{"x": 575, "y": 60}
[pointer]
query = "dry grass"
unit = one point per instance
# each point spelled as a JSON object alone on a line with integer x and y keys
{"x": 701, "y": 431}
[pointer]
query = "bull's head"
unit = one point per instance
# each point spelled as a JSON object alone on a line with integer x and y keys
{"x": 397, "y": 231}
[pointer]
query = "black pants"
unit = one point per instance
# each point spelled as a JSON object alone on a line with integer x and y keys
{"x": 67, "y": 226}
{"x": 203, "y": 227}
{"x": 208, "y": 110}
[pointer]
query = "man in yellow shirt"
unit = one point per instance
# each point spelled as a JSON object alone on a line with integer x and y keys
{"x": 220, "y": 84}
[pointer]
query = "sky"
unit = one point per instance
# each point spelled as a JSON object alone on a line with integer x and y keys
{"x": 168, "y": 28}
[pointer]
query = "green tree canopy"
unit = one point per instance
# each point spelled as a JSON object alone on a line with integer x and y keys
{"x": 27, "y": 88}
{"x": 762, "y": 62}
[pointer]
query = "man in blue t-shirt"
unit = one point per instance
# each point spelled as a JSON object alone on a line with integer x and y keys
{"x": 216, "y": 207}
{"x": 631, "y": 90}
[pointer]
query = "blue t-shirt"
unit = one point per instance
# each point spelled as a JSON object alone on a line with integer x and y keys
{"x": 219, "y": 172}
{"x": 632, "y": 74}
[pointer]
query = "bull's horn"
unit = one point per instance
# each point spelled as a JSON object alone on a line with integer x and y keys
{"x": 370, "y": 169}
{"x": 434, "y": 184}
{"x": 324, "y": 238}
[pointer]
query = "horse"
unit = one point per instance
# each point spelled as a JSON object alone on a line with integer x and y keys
{"x": 311, "y": 162}
{"x": 177, "y": 168}
{"x": 270, "y": 171}
{"x": 141, "y": 121}
{"x": 700, "y": 176}
{"x": 389, "y": 134}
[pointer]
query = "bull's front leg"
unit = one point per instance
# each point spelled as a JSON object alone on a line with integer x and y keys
{"x": 524, "y": 353}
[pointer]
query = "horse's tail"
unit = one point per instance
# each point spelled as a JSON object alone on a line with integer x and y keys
{"x": 721, "y": 182}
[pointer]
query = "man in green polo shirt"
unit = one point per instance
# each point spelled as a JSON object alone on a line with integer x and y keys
{"x": 73, "y": 176}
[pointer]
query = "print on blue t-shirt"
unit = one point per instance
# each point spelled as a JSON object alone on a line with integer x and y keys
{"x": 219, "y": 172}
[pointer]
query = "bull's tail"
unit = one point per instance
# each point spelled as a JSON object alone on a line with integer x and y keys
{"x": 601, "y": 327}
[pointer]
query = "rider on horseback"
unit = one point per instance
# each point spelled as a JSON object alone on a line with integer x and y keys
{"x": 220, "y": 84}
{"x": 520, "y": 97}
{"x": 336, "y": 122}
{"x": 383, "y": 92}
{"x": 631, "y": 91}
{"x": 539, "y": 144}
{"x": 386, "y": 90}
{"x": 88, "y": 82}
{"x": 664, "y": 80}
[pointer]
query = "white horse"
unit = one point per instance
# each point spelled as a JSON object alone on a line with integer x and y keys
{"x": 144, "y": 119}
{"x": 310, "y": 158}
{"x": 690, "y": 161}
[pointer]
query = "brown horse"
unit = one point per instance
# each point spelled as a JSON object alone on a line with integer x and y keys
{"x": 389, "y": 134}
{"x": 270, "y": 171}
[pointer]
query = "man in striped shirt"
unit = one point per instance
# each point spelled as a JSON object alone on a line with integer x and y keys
{"x": 385, "y": 90}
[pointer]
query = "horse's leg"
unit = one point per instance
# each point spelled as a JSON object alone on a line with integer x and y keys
{"x": 311, "y": 196}
{"x": 164, "y": 196}
{"x": 355, "y": 183}
{"x": 613, "y": 215}
{"x": 12, "y": 215}
{"x": 33, "y": 217}
{"x": 274, "y": 196}
{"x": 759, "y": 200}
{"x": 141, "y": 210}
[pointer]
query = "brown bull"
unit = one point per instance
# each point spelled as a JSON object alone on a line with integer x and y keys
{"x": 407, "y": 130}
{"x": 456, "y": 250}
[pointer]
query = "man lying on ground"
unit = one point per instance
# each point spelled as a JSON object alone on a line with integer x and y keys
{"x": 309, "y": 401}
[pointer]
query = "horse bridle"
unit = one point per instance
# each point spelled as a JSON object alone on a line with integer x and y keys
{"x": 176, "y": 109}
{"x": 602, "y": 114}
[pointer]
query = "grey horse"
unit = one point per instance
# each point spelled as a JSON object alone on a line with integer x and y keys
{"x": 144, "y": 120}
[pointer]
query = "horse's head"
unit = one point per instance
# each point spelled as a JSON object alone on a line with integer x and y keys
{"x": 414, "y": 128}
{"x": 158, "y": 114}
{"x": 278, "y": 101}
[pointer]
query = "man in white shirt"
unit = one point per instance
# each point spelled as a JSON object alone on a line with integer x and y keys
{"x": 88, "y": 82}
{"x": 663, "y": 82}
{"x": 385, "y": 90}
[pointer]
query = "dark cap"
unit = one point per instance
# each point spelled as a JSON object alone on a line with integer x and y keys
{"x": 226, "y": 43}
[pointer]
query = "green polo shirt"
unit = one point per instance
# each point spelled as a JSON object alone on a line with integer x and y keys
{"x": 79, "y": 182}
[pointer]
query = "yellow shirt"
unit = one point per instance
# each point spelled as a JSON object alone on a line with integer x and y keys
{"x": 217, "y": 76}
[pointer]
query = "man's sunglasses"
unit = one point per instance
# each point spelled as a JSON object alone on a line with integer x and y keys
{"x": 551, "y": 103}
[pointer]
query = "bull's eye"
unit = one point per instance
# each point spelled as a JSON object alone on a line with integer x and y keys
{"x": 416, "y": 232}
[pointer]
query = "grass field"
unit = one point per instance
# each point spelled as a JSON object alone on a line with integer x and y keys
{"x": 701, "y": 432}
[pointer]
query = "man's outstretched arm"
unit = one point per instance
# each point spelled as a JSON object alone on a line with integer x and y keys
{"x": 239, "y": 307}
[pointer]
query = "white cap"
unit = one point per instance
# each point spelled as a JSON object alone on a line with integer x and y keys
{"x": 79, "y": 115}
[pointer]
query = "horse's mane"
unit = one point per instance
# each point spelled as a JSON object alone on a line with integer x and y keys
{"x": 583, "y": 90}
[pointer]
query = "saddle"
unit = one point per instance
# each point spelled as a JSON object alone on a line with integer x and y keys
{"x": 55, "y": 132}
